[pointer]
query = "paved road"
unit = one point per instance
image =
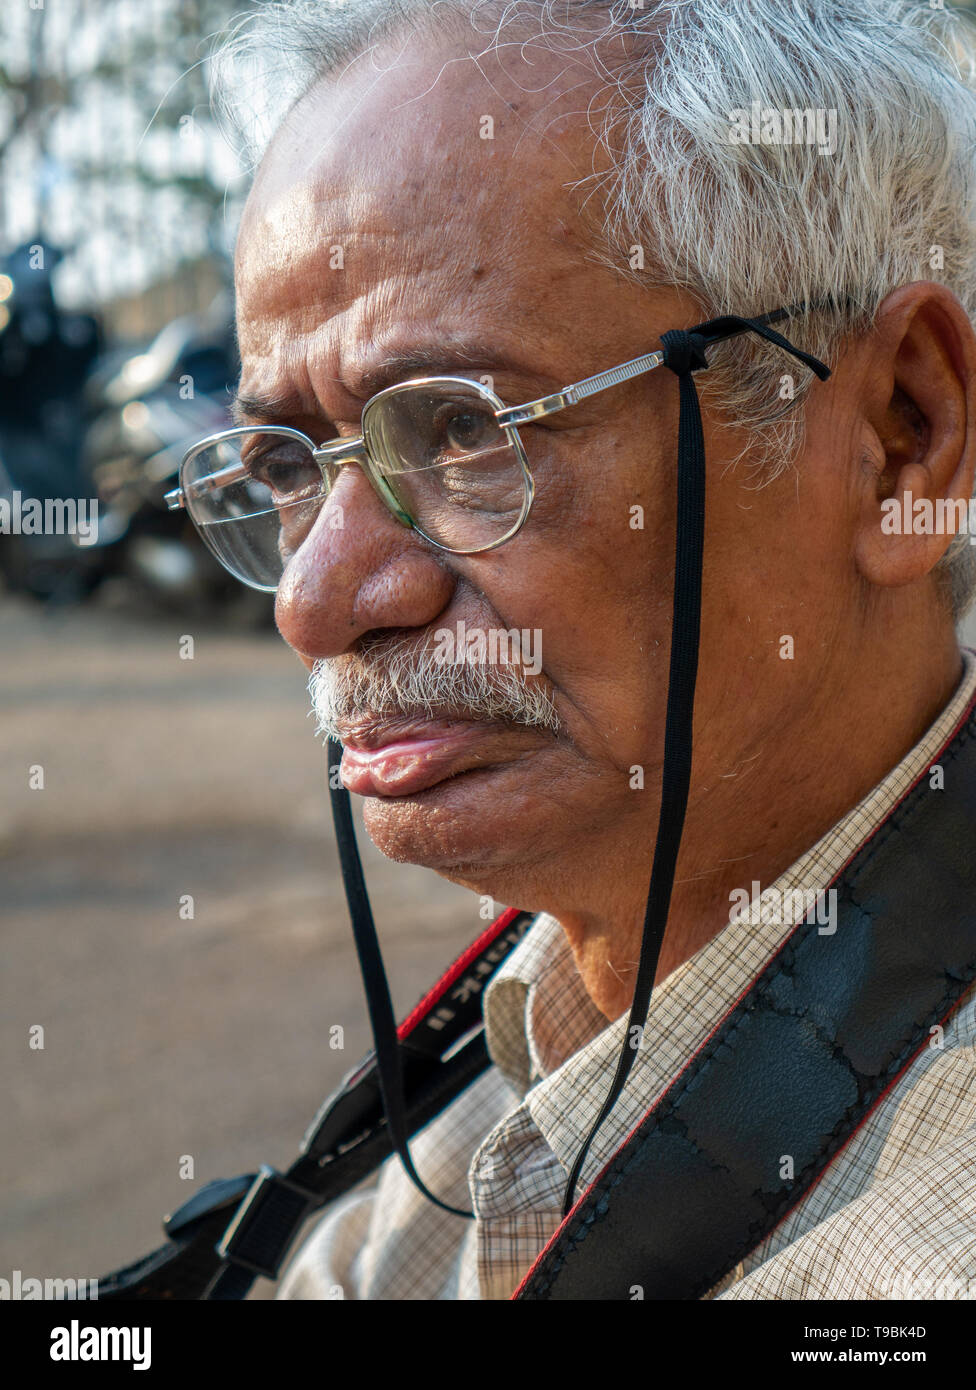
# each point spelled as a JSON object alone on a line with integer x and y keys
{"x": 165, "y": 1036}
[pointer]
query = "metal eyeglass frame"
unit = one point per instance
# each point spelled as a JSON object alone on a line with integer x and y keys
{"x": 334, "y": 454}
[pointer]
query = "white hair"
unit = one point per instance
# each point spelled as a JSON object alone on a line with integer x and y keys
{"x": 743, "y": 225}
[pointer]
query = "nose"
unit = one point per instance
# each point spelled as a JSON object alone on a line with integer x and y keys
{"x": 359, "y": 569}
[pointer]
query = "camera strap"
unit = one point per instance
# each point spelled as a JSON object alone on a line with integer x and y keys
{"x": 804, "y": 1056}
{"x": 791, "y": 1072}
{"x": 234, "y": 1229}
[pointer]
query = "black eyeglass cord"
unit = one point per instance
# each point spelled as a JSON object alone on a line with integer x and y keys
{"x": 382, "y": 1019}
{"x": 684, "y": 354}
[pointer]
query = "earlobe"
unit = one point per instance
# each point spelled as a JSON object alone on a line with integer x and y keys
{"x": 898, "y": 540}
{"x": 902, "y": 536}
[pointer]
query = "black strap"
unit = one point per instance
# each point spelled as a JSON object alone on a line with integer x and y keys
{"x": 378, "y": 1002}
{"x": 684, "y": 353}
{"x": 232, "y": 1230}
{"x": 795, "y": 1067}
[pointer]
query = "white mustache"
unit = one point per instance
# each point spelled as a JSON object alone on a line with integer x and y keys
{"x": 394, "y": 678}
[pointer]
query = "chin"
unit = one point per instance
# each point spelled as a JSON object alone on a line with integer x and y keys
{"x": 470, "y": 829}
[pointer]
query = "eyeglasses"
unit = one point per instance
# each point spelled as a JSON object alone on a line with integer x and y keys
{"x": 443, "y": 454}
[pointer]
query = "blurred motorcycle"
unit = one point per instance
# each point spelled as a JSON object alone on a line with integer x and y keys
{"x": 45, "y": 357}
{"x": 108, "y": 430}
{"x": 146, "y": 409}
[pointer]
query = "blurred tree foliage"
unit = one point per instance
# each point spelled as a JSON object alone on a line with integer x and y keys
{"x": 107, "y": 144}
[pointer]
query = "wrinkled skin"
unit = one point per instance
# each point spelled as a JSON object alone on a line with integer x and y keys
{"x": 450, "y": 238}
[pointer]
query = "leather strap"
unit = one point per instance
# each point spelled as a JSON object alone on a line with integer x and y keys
{"x": 804, "y": 1056}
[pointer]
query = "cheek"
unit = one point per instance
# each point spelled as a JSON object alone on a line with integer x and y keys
{"x": 599, "y": 539}
{"x": 590, "y": 578}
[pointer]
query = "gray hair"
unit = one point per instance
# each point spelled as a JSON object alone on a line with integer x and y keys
{"x": 390, "y": 676}
{"x": 692, "y": 199}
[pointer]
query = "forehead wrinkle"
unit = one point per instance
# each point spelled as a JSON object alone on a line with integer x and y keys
{"x": 285, "y": 258}
{"x": 401, "y": 258}
{"x": 387, "y": 335}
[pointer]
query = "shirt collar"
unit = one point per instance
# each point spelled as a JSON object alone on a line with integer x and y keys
{"x": 536, "y": 1009}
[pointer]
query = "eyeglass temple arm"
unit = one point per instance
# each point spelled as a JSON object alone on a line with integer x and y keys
{"x": 232, "y": 474}
{"x": 548, "y": 405}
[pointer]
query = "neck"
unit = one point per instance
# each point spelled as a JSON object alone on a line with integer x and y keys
{"x": 752, "y": 815}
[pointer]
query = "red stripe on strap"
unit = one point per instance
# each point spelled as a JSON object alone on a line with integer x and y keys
{"x": 454, "y": 972}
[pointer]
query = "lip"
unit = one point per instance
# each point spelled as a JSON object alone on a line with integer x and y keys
{"x": 401, "y": 759}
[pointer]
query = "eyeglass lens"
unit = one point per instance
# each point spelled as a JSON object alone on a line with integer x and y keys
{"x": 436, "y": 453}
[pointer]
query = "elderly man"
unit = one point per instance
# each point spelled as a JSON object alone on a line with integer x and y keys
{"x": 498, "y": 203}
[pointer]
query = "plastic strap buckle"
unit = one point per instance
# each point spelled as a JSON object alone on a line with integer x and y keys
{"x": 265, "y": 1222}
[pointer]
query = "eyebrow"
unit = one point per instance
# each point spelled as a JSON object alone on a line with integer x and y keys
{"x": 265, "y": 410}
{"x": 440, "y": 360}
{"x": 435, "y": 360}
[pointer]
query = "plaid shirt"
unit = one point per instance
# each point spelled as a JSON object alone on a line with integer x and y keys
{"x": 894, "y": 1216}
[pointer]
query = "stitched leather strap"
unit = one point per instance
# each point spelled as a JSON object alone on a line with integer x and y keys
{"x": 796, "y": 1066}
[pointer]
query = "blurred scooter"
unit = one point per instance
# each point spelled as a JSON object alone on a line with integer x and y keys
{"x": 146, "y": 409}
{"x": 106, "y": 432}
{"x": 45, "y": 357}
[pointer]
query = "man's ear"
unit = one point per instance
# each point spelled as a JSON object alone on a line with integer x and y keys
{"x": 919, "y": 435}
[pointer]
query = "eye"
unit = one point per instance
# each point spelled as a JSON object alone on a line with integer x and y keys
{"x": 465, "y": 429}
{"x": 285, "y": 467}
